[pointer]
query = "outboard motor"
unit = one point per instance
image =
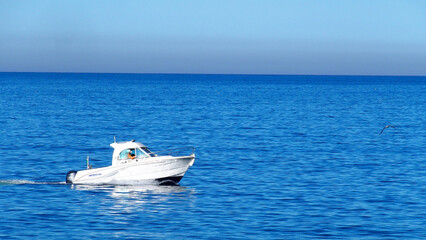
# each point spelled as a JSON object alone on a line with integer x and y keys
{"x": 70, "y": 176}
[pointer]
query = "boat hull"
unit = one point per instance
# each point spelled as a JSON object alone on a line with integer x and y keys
{"x": 165, "y": 170}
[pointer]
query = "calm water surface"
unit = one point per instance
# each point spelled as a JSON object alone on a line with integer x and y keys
{"x": 278, "y": 157}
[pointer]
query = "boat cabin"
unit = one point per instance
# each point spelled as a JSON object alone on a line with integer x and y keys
{"x": 125, "y": 152}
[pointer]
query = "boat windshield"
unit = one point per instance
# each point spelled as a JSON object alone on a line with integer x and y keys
{"x": 140, "y": 154}
{"x": 149, "y": 152}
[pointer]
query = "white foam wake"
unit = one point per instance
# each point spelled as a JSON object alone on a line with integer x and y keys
{"x": 23, "y": 181}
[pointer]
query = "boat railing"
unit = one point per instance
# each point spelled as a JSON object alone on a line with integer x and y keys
{"x": 174, "y": 151}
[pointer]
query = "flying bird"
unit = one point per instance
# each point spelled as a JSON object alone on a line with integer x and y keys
{"x": 387, "y": 126}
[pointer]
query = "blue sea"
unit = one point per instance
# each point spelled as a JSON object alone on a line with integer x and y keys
{"x": 277, "y": 157}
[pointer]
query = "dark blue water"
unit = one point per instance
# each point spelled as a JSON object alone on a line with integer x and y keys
{"x": 278, "y": 157}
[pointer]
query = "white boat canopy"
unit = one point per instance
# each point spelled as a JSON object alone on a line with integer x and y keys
{"x": 119, "y": 146}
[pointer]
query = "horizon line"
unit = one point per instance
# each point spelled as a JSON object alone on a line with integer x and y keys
{"x": 236, "y": 74}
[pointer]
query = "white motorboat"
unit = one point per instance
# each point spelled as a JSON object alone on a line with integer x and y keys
{"x": 134, "y": 163}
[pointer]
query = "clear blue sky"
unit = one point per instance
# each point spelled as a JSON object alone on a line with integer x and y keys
{"x": 362, "y": 37}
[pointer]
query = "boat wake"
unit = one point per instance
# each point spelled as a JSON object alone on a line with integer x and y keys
{"x": 28, "y": 182}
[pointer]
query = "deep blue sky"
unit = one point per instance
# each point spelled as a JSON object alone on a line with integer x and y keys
{"x": 365, "y": 37}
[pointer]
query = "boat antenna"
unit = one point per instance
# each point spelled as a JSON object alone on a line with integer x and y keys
{"x": 88, "y": 163}
{"x": 114, "y": 140}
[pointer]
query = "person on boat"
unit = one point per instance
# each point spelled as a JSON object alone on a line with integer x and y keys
{"x": 131, "y": 155}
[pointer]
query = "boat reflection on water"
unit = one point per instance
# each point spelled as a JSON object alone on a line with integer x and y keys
{"x": 128, "y": 198}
